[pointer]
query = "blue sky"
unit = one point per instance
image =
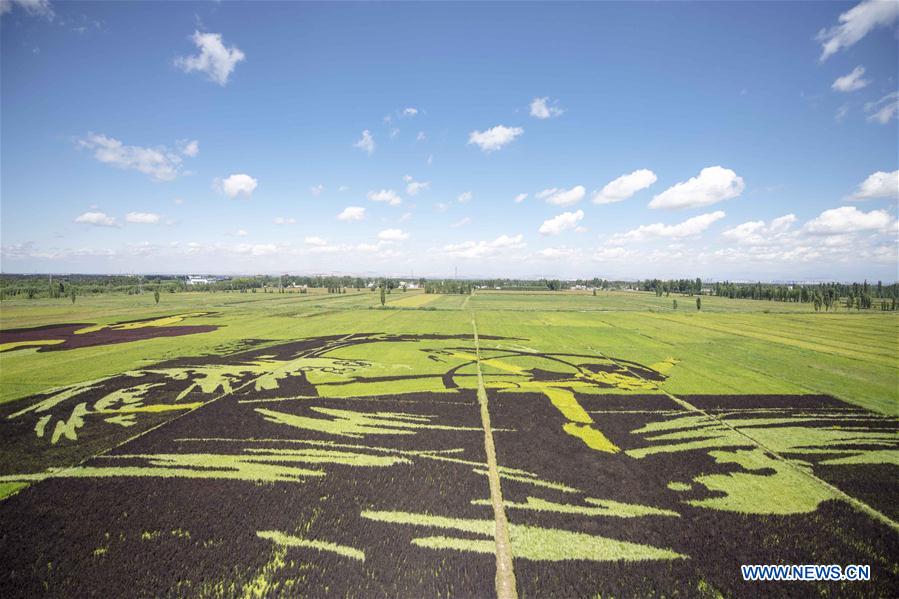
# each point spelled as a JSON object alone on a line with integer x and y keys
{"x": 745, "y": 140}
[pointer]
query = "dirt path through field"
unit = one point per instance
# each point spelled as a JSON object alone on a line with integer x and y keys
{"x": 505, "y": 573}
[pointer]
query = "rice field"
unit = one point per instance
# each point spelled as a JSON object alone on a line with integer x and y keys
{"x": 496, "y": 444}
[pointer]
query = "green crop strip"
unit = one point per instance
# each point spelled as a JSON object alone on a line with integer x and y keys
{"x": 597, "y": 507}
{"x": 349, "y": 423}
{"x": 527, "y": 542}
{"x": 286, "y": 540}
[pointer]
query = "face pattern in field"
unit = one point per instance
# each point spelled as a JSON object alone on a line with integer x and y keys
{"x": 356, "y": 465}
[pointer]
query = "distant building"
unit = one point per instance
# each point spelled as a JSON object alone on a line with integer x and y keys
{"x": 193, "y": 280}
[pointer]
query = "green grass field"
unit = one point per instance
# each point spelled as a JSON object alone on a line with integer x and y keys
{"x": 308, "y": 444}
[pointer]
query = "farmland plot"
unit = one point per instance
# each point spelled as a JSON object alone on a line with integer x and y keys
{"x": 398, "y": 453}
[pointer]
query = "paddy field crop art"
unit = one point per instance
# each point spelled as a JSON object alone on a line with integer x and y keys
{"x": 550, "y": 445}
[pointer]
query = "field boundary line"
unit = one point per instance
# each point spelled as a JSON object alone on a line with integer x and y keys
{"x": 505, "y": 572}
{"x": 854, "y": 502}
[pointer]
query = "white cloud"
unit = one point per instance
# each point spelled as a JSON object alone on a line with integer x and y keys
{"x": 393, "y": 134}
{"x": 562, "y": 222}
{"x": 317, "y": 190}
{"x": 343, "y": 188}
{"x": 541, "y": 110}
{"x": 352, "y": 213}
{"x": 189, "y": 147}
{"x": 366, "y": 142}
{"x": 441, "y": 207}
{"x": 625, "y": 186}
{"x": 284, "y": 220}
{"x": 553, "y": 253}
{"x": 258, "y": 249}
{"x": 842, "y": 111}
{"x": 410, "y": 111}
{"x": 714, "y": 184}
{"x": 413, "y": 187}
{"x": 849, "y": 219}
{"x": 214, "y": 59}
{"x": 393, "y": 235}
{"x": 851, "y": 82}
{"x": 464, "y": 197}
{"x": 97, "y": 219}
{"x": 385, "y": 195}
{"x": 143, "y": 218}
{"x": 461, "y": 222}
{"x": 237, "y": 184}
{"x": 878, "y": 185}
{"x": 484, "y": 249}
{"x": 884, "y": 109}
{"x": 855, "y": 24}
{"x": 520, "y": 198}
{"x": 495, "y": 138}
{"x": 407, "y": 216}
{"x": 160, "y": 163}
{"x": 688, "y": 228}
{"x": 315, "y": 241}
{"x": 612, "y": 253}
{"x": 241, "y": 233}
{"x": 563, "y": 197}
{"x": 757, "y": 232}
{"x": 421, "y": 136}
{"x": 36, "y": 8}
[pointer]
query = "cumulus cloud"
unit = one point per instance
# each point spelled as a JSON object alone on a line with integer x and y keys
{"x": 215, "y": 59}
{"x": 556, "y": 253}
{"x": 461, "y": 222}
{"x": 97, "y": 219}
{"x": 161, "y": 163}
{"x": 562, "y": 222}
{"x": 713, "y": 184}
{"x": 315, "y": 241}
{"x": 484, "y": 249}
{"x": 520, "y": 198}
{"x": 464, "y": 197}
{"x": 878, "y": 185}
{"x": 758, "y": 232}
{"x": 542, "y": 110}
{"x": 495, "y": 138}
{"x": 284, "y": 220}
{"x": 851, "y": 82}
{"x": 413, "y": 187}
{"x": 317, "y": 190}
{"x": 563, "y": 197}
{"x": 189, "y": 147}
{"x": 856, "y": 23}
{"x": 393, "y": 235}
{"x": 849, "y": 219}
{"x": 612, "y": 253}
{"x": 366, "y": 143}
{"x": 421, "y": 136}
{"x": 36, "y": 8}
{"x": 241, "y": 233}
{"x": 410, "y": 111}
{"x": 385, "y": 195}
{"x": 688, "y": 228}
{"x": 352, "y": 213}
{"x": 237, "y": 184}
{"x": 143, "y": 218}
{"x": 625, "y": 186}
{"x": 883, "y": 110}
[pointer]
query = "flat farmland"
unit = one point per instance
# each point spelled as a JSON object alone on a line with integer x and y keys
{"x": 502, "y": 443}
